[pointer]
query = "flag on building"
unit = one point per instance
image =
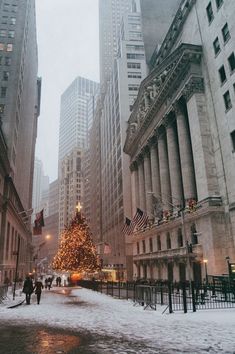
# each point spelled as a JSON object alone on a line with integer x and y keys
{"x": 140, "y": 219}
{"x": 38, "y": 223}
{"x": 107, "y": 248}
{"x": 128, "y": 227}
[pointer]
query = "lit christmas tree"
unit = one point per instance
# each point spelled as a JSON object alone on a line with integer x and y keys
{"x": 77, "y": 252}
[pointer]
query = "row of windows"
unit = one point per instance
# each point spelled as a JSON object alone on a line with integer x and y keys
{"x": 134, "y": 75}
{"x": 134, "y": 47}
{"x": 133, "y": 87}
{"x": 9, "y": 34}
{"x": 7, "y": 47}
{"x": 133, "y": 65}
{"x": 209, "y": 9}
{"x": 8, "y": 20}
{"x": 222, "y": 72}
{"x": 5, "y": 61}
{"x": 134, "y": 56}
{"x": 7, "y": 7}
{"x": 180, "y": 242}
{"x": 226, "y": 37}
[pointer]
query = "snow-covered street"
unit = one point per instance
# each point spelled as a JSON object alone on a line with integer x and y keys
{"x": 119, "y": 327}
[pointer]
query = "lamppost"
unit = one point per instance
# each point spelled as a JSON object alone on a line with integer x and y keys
{"x": 37, "y": 255}
{"x": 229, "y": 267}
{"x": 205, "y": 261}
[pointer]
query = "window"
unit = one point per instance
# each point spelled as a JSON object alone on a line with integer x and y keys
{"x": 2, "y": 106}
{"x": 225, "y": 33}
{"x": 150, "y": 245}
{"x": 216, "y": 45}
{"x": 180, "y": 238}
{"x": 9, "y": 47}
{"x": 0, "y": 60}
{"x": 233, "y": 139}
{"x": 219, "y": 3}
{"x": 222, "y": 74}
{"x": 168, "y": 241}
{"x": 159, "y": 246}
{"x": 7, "y": 61}
{"x": 11, "y": 34}
{"x": 3, "y": 33}
{"x": 231, "y": 61}
{"x": 133, "y": 65}
{"x": 6, "y": 7}
{"x": 12, "y": 21}
{"x": 137, "y": 248}
{"x": 4, "y": 20}
{"x": 14, "y": 8}
{"x": 143, "y": 246}
{"x": 3, "y": 92}
{"x": 209, "y": 12}
{"x": 227, "y": 100}
{"x": 194, "y": 235}
{"x": 2, "y": 46}
{"x": 5, "y": 75}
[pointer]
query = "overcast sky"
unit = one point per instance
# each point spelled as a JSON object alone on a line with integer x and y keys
{"x": 68, "y": 46}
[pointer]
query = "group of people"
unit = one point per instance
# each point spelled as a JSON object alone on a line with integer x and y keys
{"x": 29, "y": 288}
{"x": 48, "y": 283}
{"x": 58, "y": 281}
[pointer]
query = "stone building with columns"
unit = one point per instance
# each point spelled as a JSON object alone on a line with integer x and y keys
{"x": 181, "y": 142}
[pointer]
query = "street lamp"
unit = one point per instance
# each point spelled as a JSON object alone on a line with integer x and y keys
{"x": 229, "y": 268}
{"x": 205, "y": 261}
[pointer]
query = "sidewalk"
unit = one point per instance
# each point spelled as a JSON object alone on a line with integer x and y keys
{"x": 8, "y": 301}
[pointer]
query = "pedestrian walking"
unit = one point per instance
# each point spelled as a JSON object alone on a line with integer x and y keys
{"x": 46, "y": 283}
{"x": 38, "y": 290}
{"x": 59, "y": 281}
{"x": 49, "y": 282}
{"x": 28, "y": 289}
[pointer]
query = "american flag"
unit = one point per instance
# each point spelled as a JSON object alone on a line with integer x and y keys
{"x": 140, "y": 219}
{"x": 128, "y": 227}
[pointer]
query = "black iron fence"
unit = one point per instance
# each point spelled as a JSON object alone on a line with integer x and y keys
{"x": 183, "y": 296}
{"x": 3, "y": 292}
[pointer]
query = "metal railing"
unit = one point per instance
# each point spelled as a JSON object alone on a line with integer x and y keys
{"x": 175, "y": 296}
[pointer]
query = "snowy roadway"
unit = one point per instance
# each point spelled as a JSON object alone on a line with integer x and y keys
{"x": 116, "y": 326}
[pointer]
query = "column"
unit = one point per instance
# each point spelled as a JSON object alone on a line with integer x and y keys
{"x": 164, "y": 172}
{"x": 156, "y": 185}
{"x": 148, "y": 183}
{"x": 202, "y": 147}
{"x": 142, "y": 202}
{"x": 174, "y": 165}
{"x": 134, "y": 187}
{"x": 186, "y": 157}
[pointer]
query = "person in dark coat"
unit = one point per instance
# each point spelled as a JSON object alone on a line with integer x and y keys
{"x": 38, "y": 290}
{"x": 28, "y": 289}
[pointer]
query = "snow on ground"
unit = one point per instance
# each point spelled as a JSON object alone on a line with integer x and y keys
{"x": 210, "y": 331}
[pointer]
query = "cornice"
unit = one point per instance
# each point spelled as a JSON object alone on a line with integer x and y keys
{"x": 168, "y": 79}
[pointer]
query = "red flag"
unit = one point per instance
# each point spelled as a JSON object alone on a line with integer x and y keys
{"x": 38, "y": 223}
{"x": 107, "y": 248}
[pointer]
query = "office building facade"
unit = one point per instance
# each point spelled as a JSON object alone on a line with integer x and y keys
{"x": 19, "y": 111}
{"x": 181, "y": 145}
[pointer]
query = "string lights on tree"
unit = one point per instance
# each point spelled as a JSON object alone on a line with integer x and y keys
{"x": 76, "y": 252}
